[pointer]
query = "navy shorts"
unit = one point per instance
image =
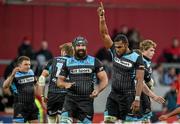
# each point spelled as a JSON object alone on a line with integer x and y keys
{"x": 118, "y": 105}
{"x": 25, "y": 112}
{"x": 78, "y": 107}
{"x": 55, "y": 103}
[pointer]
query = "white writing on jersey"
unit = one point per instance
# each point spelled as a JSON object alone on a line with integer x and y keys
{"x": 26, "y": 80}
{"x": 81, "y": 70}
{"x": 124, "y": 63}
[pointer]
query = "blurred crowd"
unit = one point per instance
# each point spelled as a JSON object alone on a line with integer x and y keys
{"x": 39, "y": 58}
{"x": 163, "y": 76}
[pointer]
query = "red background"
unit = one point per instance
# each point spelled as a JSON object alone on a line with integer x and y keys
{"x": 58, "y": 24}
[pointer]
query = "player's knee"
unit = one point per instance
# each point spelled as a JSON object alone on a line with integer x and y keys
{"x": 147, "y": 117}
{"x": 52, "y": 119}
{"x": 66, "y": 120}
{"x": 87, "y": 121}
{"x": 110, "y": 119}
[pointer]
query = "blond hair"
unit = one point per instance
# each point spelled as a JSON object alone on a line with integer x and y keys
{"x": 67, "y": 47}
{"x": 146, "y": 44}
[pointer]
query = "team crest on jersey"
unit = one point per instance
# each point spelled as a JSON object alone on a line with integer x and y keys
{"x": 121, "y": 62}
{"x": 54, "y": 79}
{"x": 148, "y": 65}
{"x": 72, "y": 61}
{"x": 81, "y": 70}
{"x": 26, "y": 80}
{"x": 150, "y": 70}
{"x": 61, "y": 60}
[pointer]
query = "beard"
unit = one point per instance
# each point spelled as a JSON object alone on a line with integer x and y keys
{"x": 80, "y": 53}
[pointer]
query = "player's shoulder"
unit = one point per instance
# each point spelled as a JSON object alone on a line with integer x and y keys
{"x": 20, "y": 74}
{"x": 137, "y": 51}
{"x": 91, "y": 57}
{"x": 62, "y": 57}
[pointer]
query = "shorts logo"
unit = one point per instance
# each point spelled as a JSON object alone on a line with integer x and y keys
{"x": 81, "y": 70}
{"x": 124, "y": 63}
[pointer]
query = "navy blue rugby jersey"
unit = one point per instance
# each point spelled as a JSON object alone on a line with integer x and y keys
{"x": 124, "y": 70}
{"x": 22, "y": 87}
{"x": 82, "y": 72}
{"x": 54, "y": 67}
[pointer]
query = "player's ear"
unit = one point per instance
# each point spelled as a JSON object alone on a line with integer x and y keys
{"x": 15, "y": 65}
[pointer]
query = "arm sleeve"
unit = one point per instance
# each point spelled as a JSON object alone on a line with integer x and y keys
{"x": 47, "y": 67}
{"x": 64, "y": 70}
{"x": 139, "y": 63}
{"x": 98, "y": 66}
{"x": 112, "y": 50}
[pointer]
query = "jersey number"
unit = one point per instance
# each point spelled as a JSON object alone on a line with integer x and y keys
{"x": 59, "y": 67}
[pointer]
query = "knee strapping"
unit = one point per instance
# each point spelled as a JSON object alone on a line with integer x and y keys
{"x": 52, "y": 119}
{"x": 110, "y": 119}
{"x": 66, "y": 120}
{"x": 87, "y": 121}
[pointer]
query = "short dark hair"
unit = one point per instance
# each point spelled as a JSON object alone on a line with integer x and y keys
{"x": 79, "y": 40}
{"x": 121, "y": 37}
{"x": 22, "y": 58}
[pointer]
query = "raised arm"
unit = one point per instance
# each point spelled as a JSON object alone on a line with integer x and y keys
{"x": 103, "y": 27}
{"x": 8, "y": 81}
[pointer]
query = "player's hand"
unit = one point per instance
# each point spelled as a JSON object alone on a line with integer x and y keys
{"x": 100, "y": 10}
{"x": 16, "y": 69}
{"x": 163, "y": 117}
{"x": 135, "y": 106}
{"x": 44, "y": 101}
{"x": 69, "y": 85}
{"x": 159, "y": 99}
{"x": 94, "y": 93}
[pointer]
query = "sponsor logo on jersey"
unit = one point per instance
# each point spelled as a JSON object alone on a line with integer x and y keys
{"x": 81, "y": 70}
{"x": 59, "y": 60}
{"x": 26, "y": 80}
{"x": 124, "y": 63}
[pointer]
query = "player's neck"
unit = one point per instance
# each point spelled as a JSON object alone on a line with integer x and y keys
{"x": 127, "y": 50}
{"x": 81, "y": 58}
